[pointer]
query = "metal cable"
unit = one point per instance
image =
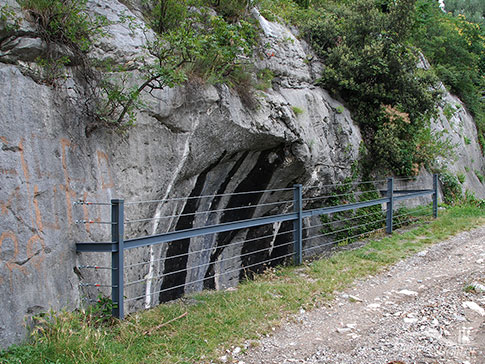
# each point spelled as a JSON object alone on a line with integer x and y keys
{"x": 411, "y": 220}
{"x": 209, "y": 249}
{"x": 95, "y": 222}
{"x": 340, "y": 195}
{"x": 342, "y": 230}
{"x": 92, "y": 203}
{"x": 411, "y": 212}
{"x": 338, "y": 241}
{"x": 344, "y": 184}
{"x": 206, "y": 264}
{"x": 342, "y": 220}
{"x": 215, "y": 275}
{"x": 95, "y": 267}
{"x": 208, "y": 196}
{"x": 208, "y": 211}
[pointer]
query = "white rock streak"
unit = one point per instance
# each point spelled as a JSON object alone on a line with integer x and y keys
{"x": 150, "y": 277}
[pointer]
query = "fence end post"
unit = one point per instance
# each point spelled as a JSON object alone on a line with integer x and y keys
{"x": 435, "y": 195}
{"x": 390, "y": 204}
{"x": 117, "y": 258}
{"x": 297, "y": 225}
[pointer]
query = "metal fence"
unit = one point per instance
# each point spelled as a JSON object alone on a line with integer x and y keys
{"x": 255, "y": 229}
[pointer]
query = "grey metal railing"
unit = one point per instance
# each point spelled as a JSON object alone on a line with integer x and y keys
{"x": 118, "y": 244}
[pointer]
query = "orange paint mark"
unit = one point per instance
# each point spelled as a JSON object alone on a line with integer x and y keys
{"x": 4, "y": 206}
{"x": 36, "y": 258}
{"x": 102, "y": 156}
{"x": 66, "y": 144}
{"x": 11, "y": 264}
{"x": 38, "y": 216}
{"x": 3, "y": 139}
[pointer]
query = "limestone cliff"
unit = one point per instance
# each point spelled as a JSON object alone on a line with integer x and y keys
{"x": 188, "y": 140}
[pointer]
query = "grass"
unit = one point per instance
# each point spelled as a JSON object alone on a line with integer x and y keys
{"x": 215, "y": 321}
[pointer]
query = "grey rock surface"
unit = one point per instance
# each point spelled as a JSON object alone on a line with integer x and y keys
{"x": 193, "y": 140}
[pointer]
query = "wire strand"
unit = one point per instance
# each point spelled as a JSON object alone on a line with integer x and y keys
{"x": 343, "y": 184}
{"x": 207, "y": 212}
{"x": 207, "y": 264}
{"x": 208, "y": 196}
{"x": 342, "y": 230}
{"x": 342, "y": 220}
{"x": 210, "y": 249}
{"x": 206, "y": 278}
{"x": 340, "y": 240}
{"x": 358, "y": 193}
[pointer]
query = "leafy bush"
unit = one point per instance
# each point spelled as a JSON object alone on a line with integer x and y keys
{"x": 452, "y": 190}
{"x": 455, "y": 47}
{"x": 370, "y": 64}
{"x": 67, "y": 30}
{"x": 480, "y": 176}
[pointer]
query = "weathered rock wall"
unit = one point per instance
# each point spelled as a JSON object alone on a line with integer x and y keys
{"x": 192, "y": 140}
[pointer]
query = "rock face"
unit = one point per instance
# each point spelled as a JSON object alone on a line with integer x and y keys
{"x": 193, "y": 140}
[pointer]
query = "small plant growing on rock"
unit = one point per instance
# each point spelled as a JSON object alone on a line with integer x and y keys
{"x": 297, "y": 110}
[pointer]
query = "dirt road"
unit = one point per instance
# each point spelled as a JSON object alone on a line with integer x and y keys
{"x": 429, "y": 308}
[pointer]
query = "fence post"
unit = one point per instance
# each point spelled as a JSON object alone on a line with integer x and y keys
{"x": 390, "y": 204}
{"x": 297, "y": 225}
{"x": 117, "y": 257}
{"x": 435, "y": 195}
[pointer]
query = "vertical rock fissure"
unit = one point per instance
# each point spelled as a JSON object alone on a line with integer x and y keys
{"x": 175, "y": 269}
{"x": 257, "y": 179}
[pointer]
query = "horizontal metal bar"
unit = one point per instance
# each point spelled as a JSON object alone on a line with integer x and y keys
{"x": 244, "y": 224}
{"x": 350, "y": 206}
{"x": 205, "y": 230}
{"x": 107, "y": 247}
{"x": 413, "y": 195}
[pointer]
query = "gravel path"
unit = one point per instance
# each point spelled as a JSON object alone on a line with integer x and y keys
{"x": 418, "y": 311}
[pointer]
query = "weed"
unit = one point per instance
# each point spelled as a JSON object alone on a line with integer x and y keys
{"x": 340, "y": 109}
{"x": 480, "y": 176}
{"x": 461, "y": 177}
{"x": 297, "y": 110}
{"x": 265, "y": 78}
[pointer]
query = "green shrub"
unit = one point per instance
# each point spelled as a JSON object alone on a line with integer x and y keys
{"x": 265, "y": 78}
{"x": 452, "y": 190}
{"x": 480, "y": 176}
{"x": 297, "y": 110}
{"x": 65, "y": 22}
{"x": 165, "y": 15}
{"x": 370, "y": 64}
{"x": 68, "y": 32}
{"x": 455, "y": 47}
